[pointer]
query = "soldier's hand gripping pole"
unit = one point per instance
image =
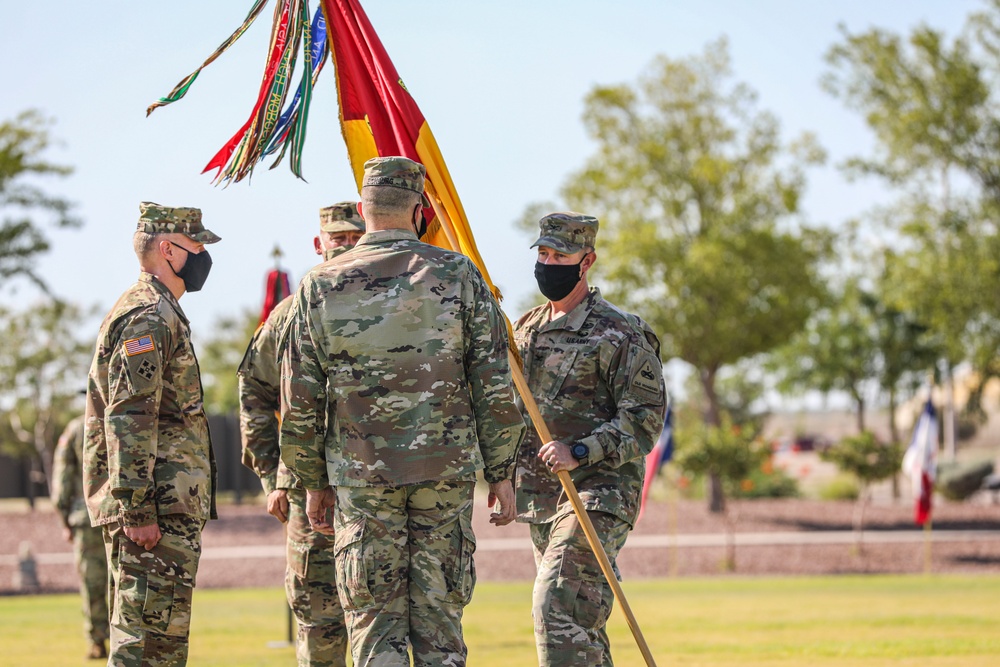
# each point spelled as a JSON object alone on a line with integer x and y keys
{"x": 581, "y": 514}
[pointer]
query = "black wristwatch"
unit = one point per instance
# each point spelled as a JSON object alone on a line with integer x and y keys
{"x": 580, "y": 452}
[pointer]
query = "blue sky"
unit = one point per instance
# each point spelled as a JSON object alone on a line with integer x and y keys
{"x": 501, "y": 84}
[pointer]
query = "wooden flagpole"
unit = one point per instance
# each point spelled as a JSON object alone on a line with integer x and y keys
{"x": 581, "y": 513}
{"x": 567, "y": 482}
{"x": 928, "y": 545}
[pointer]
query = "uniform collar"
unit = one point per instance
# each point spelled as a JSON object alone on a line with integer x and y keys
{"x": 386, "y": 236}
{"x": 158, "y": 285}
{"x": 574, "y": 319}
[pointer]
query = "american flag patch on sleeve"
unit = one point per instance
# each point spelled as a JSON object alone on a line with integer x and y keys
{"x": 139, "y": 345}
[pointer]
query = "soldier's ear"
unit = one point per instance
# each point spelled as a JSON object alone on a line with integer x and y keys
{"x": 587, "y": 262}
{"x": 360, "y": 211}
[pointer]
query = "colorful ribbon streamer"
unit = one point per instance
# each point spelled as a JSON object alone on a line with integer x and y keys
{"x": 293, "y": 121}
{"x": 180, "y": 90}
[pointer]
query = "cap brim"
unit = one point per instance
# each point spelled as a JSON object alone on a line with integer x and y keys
{"x": 205, "y": 236}
{"x": 341, "y": 226}
{"x": 557, "y": 244}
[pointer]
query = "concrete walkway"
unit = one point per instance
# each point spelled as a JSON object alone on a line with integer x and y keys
{"x": 635, "y": 542}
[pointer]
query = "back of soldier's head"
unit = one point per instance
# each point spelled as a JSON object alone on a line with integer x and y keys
{"x": 382, "y": 203}
{"x": 392, "y": 187}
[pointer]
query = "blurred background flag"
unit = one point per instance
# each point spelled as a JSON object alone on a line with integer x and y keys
{"x": 920, "y": 462}
{"x": 277, "y": 286}
{"x": 662, "y": 452}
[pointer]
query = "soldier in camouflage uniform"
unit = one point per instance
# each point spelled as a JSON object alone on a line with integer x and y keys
{"x": 149, "y": 470}
{"x": 395, "y": 391}
{"x": 310, "y": 575}
{"x": 595, "y": 373}
{"x": 88, "y": 543}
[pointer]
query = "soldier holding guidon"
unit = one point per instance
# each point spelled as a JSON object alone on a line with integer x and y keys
{"x": 595, "y": 372}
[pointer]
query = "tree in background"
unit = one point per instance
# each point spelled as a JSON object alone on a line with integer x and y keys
{"x": 933, "y": 110}
{"x": 43, "y": 368}
{"x": 730, "y": 454}
{"x": 23, "y": 141}
{"x": 859, "y": 344}
{"x": 219, "y": 358}
{"x": 739, "y": 389}
{"x": 837, "y": 351}
{"x": 870, "y": 462}
{"x": 697, "y": 198}
{"x": 906, "y": 351}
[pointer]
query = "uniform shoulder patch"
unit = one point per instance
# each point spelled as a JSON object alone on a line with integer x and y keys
{"x": 646, "y": 377}
{"x": 139, "y": 345}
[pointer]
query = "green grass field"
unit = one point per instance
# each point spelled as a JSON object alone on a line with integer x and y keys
{"x": 843, "y": 621}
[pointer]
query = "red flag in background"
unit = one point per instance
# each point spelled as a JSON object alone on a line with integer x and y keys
{"x": 920, "y": 462}
{"x": 277, "y": 286}
{"x": 379, "y": 117}
{"x": 662, "y": 452}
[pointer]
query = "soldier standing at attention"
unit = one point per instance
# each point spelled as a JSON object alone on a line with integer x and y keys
{"x": 149, "y": 470}
{"x": 310, "y": 573}
{"x": 395, "y": 391}
{"x": 595, "y": 373}
{"x": 88, "y": 543}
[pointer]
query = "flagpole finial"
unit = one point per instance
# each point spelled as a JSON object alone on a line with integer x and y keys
{"x": 277, "y": 254}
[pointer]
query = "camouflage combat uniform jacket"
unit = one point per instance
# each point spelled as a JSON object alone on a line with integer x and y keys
{"x": 401, "y": 348}
{"x": 147, "y": 451}
{"x": 67, "y": 476}
{"x": 260, "y": 401}
{"x": 596, "y": 376}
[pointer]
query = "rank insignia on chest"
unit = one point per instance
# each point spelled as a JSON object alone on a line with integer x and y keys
{"x": 139, "y": 345}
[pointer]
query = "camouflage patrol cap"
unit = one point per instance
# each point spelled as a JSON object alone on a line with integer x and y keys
{"x": 398, "y": 172}
{"x": 156, "y": 219}
{"x": 341, "y": 217}
{"x": 567, "y": 232}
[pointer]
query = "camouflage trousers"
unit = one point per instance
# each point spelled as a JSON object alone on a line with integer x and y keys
{"x": 151, "y": 593}
{"x": 311, "y": 588}
{"x": 92, "y": 565}
{"x": 572, "y": 600}
{"x": 404, "y": 560}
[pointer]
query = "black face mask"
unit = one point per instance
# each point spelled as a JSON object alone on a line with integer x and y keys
{"x": 556, "y": 281}
{"x": 194, "y": 273}
{"x": 422, "y": 227}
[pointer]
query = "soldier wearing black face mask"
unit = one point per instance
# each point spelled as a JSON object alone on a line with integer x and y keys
{"x": 595, "y": 373}
{"x": 149, "y": 474}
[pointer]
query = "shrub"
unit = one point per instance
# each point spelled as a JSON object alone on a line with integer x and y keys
{"x": 767, "y": 482}
{"x": 958, "y": 481}
{"x": 841, "y": 487}
{"x": 865, "y": 457}
{"x": 691, "y": 487}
